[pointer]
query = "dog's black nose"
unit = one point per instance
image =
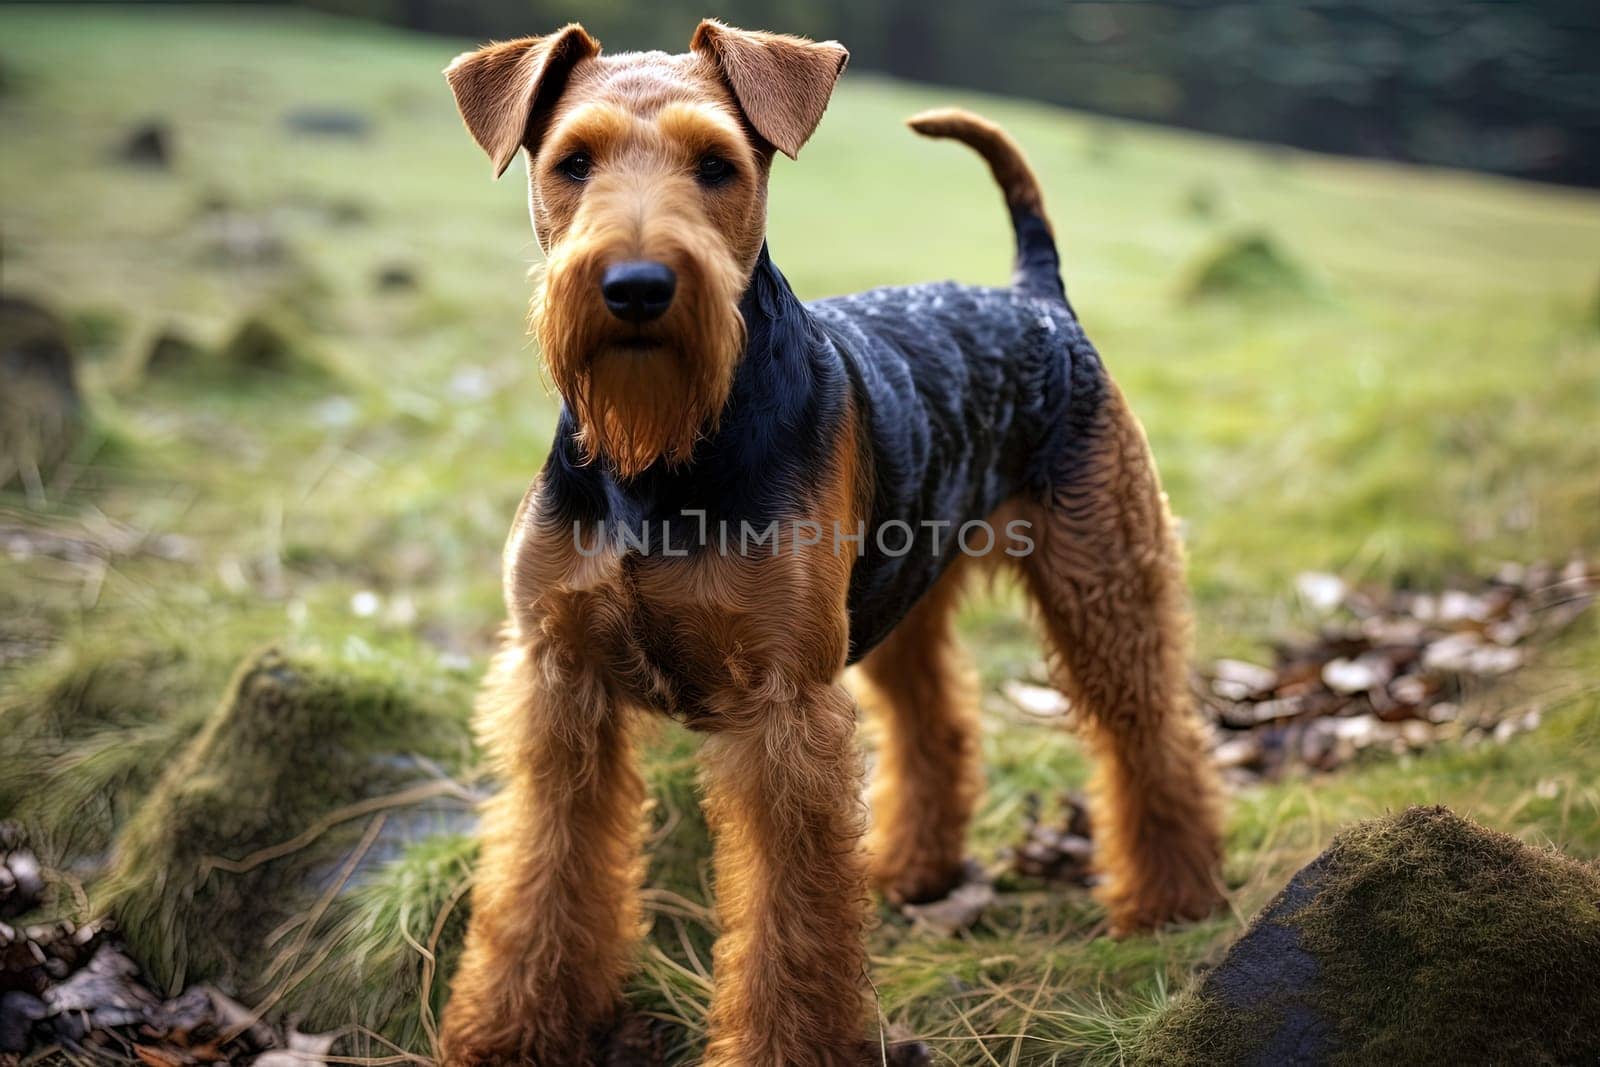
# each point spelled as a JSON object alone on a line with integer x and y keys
{"x": 639, "y": 290}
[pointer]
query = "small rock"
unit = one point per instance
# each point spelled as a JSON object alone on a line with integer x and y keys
{"x": 148, "y": 144}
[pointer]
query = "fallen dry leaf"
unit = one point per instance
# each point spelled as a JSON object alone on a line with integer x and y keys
{"x": 959, "y": 911}
{"x": 1386, "y": 669}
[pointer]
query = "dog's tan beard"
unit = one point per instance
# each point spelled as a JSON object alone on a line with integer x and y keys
{"x": 638, "y": 405}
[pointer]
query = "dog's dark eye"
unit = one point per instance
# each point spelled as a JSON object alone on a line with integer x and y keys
{"x": 577, "y": 166}
{"x": 714, "y": 170}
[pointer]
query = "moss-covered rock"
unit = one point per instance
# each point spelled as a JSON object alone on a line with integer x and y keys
{"x": 148, "y": 144}
{"x": 1245, "y": 266}
{"x": 171, "y": 352}
{"x": 96, "y": 331}
{"x": 41, "y": 410}
{"x": 242, "y": 835}
{"x": 1203, "y": 200}
{"x": 84, "y": 733}
{"x": 1421, "y": 938}
{"x": 268, "y": 341}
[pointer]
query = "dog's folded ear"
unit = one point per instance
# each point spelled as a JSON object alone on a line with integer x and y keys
{"x": 782, "y": 83}
{"x": 502, "y": 87}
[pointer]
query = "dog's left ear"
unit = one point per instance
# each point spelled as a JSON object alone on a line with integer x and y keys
{"x": 782, "y": 83}
{"x": 501, "y": 87}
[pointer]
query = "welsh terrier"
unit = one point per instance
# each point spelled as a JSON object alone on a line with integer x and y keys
{"x": 745, "y": 495}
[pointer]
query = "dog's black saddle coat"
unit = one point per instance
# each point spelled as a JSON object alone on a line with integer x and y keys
{"x": 964, "y": 396}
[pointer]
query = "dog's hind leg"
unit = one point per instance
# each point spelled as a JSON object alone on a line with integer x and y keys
{"x": 1107, "y": 576}
{"x": 554, "y": 903}
{"x": 919, "y": 689}
{"x": 783, "y": 782}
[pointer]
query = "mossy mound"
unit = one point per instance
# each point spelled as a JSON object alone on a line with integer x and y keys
{"x": 1421, "y": 938}
{"x": 1245, "y": 266}
{"x": 84, "y": 734}
{"x": 171, "y": 352}
{"x": 149, "y": 144}
{"x": 1203, "y": 200}
{"x": 96, "y": 331}
{"x": 246, "y": 830}
{"x": 41, "y": 411}
{"x": 271, "y": 342}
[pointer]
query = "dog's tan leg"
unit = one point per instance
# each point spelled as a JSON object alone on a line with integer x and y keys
{"x": 921, "y": 694}
{"x": 1107, "y": 575}
{"x": 554, "y": 905}
{"x": 783, "y": 782}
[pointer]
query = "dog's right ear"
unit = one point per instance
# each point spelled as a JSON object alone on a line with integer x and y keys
{"x": 782, "y": 83}
{"x": 502, "y": 86}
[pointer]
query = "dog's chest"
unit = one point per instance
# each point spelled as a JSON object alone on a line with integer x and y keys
{"x": 687, "y": 637}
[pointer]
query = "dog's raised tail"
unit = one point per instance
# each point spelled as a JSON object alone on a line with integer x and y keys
{"x": 1038, "y": 266}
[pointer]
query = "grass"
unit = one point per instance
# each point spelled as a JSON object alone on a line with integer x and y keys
{"x": 1419, "y": 406}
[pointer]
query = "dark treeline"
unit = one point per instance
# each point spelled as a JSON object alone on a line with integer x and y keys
{"x": 1511, "y": 86}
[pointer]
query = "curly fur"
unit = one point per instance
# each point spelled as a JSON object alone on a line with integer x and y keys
{"x": 742, "y": 405}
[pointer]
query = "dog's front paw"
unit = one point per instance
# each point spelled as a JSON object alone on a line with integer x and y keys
{"x": 1157, "y": 903}
{"x": 498, "y": 1040}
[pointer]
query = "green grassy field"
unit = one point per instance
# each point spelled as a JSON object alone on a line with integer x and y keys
{"x": 1420, "y": 405}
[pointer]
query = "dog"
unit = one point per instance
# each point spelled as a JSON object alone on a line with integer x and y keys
{"x": 721, "y": 529}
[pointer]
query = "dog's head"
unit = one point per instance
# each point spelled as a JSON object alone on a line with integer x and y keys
{"x": 647, "y": 178}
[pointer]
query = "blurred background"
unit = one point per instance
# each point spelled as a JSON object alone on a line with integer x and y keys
{"x": 267, "y": 404}
{"x": 1508, "y": 87}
